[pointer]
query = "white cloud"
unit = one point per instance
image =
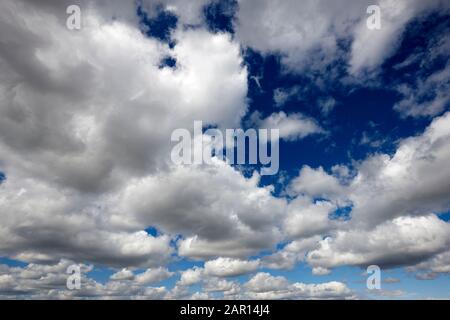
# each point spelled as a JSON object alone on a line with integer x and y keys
{"x": 215, "y": 208}
{"x": 263, "y": 282}
{"x": 123, "y": 274}
{"x": 306, "y": 33}
{"x": 151, "y": 276}
{"x": 49, "y": 282}
{"x": 191, "y": 276}
{"x": 292, "y": 127}
{"x": 83, "y": 113}
{"x": 220, "y": 285}
{"x": 73, "y": 105}
{"x": 438, "y": 264}
{"x": 41, "y": 223}
{"x": 399, "y": 242}
{"x": 300, "y": 31}
{"x": 266, "y": 286}
{"x": 316, "y": 183}
{"x": 385, "y": 187}
{"x": 371, "y": 47}
{"x": 84, "y": 124}
{"x": 227, "y": 267}
{"x": 392, "y": 221}
{"x": 291, "y": 254}
{"x": 305, "y": 219}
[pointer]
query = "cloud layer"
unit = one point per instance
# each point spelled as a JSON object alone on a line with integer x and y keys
{"x": 85, "y": 123}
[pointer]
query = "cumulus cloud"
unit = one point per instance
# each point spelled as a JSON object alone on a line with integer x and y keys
{"x": 215, "y": 208}
{"x": 298, "y": 30}
{"x": 292, "y": 127}
{"x": 85, "y": 122}
{"x": 191, "y": 276}
{"x": 263, "y": 285}
{"x": 293, "y": 253}
{"x": 400, "y": 242}
{"x": 41, "y": 223}
{"x": 74, "y": 109}
{"x": 75, "y": 132}
{"x": 306, "y": 219}
{"x": 123, "y": 274}
{"x": 227, "y": 267}
{"x": 385, "y": 187}
{"x": 391, "y": 214}
{"x": 151, "y": 276}
{"x": 433, "y": 267}
{"x": 307, "y": 33}
{"x": 316, "y": 183}
{"x": 49, "y": 282}
{"x": 224, "y": 286}
{"x": 266, "y": 286}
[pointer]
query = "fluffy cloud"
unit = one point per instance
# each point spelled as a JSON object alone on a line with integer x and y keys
{"x": 85, "y": 122}
{"x": 316, "y": 183}
{"x": 84, "y": 112}
{"x": 393, "y": 217}
{"x": 227, "y": 267}
{"x": 266, "y": 286}
{"x": 385, "y": 187}
{"x": 123, "y": 274}
{"x": 371, "y": 47}
{"x": 49, "y": 282}
{"x": 74, "y": 109}
{"x": 400, "y": 242}
{"x": 307, "y": 33}
{"x": 41, "y": 223}
{"x": 291, "y": 254}
{"x": 220, "y": 285}
{"x": 298, "y": 30}
{"x": 149, "y": 276}
{"x": 431, "y": 268}
{"x": 214, "y": 207}
{"x": 306, "y": 219}
{"x": 292, "y": 127}
{"x": 191, "y": 276}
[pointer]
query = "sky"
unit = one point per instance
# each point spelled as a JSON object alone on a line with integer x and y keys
{"x": 87, "y": 180}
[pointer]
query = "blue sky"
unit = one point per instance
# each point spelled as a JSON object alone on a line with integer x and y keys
{"x": 124, "y": 211}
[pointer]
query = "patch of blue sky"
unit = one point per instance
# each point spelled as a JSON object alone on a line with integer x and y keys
{"x": 2, "y": 176}
{"x": 12, "y": 262}
{"x": 160, "y": 25}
